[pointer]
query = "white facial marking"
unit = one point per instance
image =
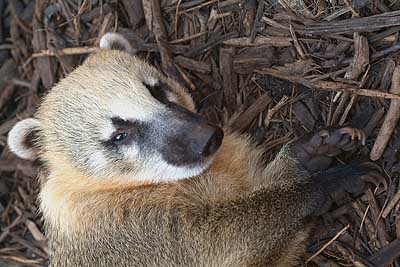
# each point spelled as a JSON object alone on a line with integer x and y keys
{"x": 97, "y": 161}
{"x": 127, "y": 110}
{"x": 150, "y": 80}
{"x": 107, "y": 131}
{"x": 131, "y": 152}
{"x": 158, "y": 170}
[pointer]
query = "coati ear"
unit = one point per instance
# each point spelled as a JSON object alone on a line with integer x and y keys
{"x": 21, "y": 138}
{"x": 115, "y": 41}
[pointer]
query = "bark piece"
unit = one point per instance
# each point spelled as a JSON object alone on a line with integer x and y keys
{"x": 229, "y": 79}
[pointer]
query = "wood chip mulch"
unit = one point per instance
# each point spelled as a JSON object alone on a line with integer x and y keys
{"x": 275, "y": 69}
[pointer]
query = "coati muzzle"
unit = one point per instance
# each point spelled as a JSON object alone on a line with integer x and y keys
{"x": 191, "y": 140}
{"x": 205, "y": 139}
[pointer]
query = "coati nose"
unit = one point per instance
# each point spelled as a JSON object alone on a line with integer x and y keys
{"x": 209, "y": 138}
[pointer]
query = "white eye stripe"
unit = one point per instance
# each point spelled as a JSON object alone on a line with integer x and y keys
{"x": 151, "y": 80}
{"x": 107, "y": 132}
{"x": 127, "y": 110}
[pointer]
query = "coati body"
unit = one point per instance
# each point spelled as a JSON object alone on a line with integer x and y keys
{"x": 136, "y": 178}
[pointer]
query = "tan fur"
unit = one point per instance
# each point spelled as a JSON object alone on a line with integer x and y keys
{"x": 76, "y": 205}
{"x": 238, "y": 212}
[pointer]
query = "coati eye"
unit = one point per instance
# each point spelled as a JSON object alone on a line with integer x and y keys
{"x": 119, "y": 138}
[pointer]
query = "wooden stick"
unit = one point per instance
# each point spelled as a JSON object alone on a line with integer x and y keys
{"x": 162, "y": 40}
{"x": 259, "y": 40}
{"x": 391, "y": 204}
{"x": 188, "y": 38}
{"x": 368, "y": 24}
{"x": 245, "y": 119}
{"x": 66, "y": 51}
{"x": 229, "y": 77}
{"x": 328, "y": 243}
{"x": 349, "y": 5}
{"x": 386, "y": 255}
{"x": 391, "y": 119}
{"x": 198, "y": 6}
{"x": 328, "y": 86}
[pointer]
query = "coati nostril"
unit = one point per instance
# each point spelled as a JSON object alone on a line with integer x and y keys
{"x": 214, "y": 141}
{"x": 205, "y": 139}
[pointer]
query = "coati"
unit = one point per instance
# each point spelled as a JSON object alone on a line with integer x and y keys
{"x": 136, "y": 178}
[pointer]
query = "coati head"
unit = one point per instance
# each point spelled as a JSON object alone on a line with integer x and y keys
{"x": 116, "y": 116}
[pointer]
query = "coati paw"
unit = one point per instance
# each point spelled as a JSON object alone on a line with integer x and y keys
{"x": 331, "y": 142}
{"x": 315, "y": 150}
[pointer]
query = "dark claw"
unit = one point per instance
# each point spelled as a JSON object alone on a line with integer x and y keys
{"x": 329, "y": 142}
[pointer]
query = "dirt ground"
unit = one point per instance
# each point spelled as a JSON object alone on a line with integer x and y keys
{"x": 275, "y": 69}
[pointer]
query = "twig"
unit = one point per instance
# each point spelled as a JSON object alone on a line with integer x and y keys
{"x": 177, "y": 18}
{"x": 103, "y": 28}
{"x": 271, "y": 112}
{"x": 328, "y": 86}
{"x": 21, "y": 83}
{"x": 391, "y": 119}
{"x": 328, "y": 243}
{"x": 162, "y": 40}
{"x": 356, "y": 68}
{"x": 349, "y": 5}
{"x": 391, "y": 204}
{"x": 199, "y": 6}
{"x": 245, "y": 119}
{"x": 66, "y": 51}
{"x": 368, "y": 24}
{"x": 188, "y": 38}
{"x": 229, "y": 77}
{"x": 260, "y": 11}
{"x": 296, "y": 42}
{"x": 259, "y": 41}
{"x": 195, "y": 51}
{"x": 386, "y": 255}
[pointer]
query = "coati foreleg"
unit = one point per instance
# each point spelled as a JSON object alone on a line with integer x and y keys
{"x": 311, "y": 153}
{"x": 311, "y": 156}
{"x": 266, "y": 221}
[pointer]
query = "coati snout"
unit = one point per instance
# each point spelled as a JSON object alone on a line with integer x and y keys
{"x": 188, "y": 138}
{"x": 192, "y": 140}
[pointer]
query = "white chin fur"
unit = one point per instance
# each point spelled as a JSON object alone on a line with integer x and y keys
{"x": 17, "y": 137}
{"x": 162, "y": 171}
